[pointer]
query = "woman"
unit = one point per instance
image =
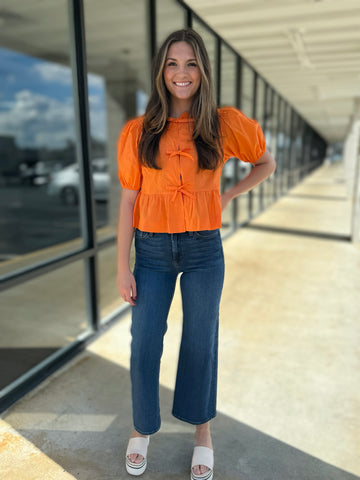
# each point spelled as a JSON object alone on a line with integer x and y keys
{"x": 170, "y": 164}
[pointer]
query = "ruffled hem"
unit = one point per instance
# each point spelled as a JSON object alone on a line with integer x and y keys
{"x": 162, "y": 213}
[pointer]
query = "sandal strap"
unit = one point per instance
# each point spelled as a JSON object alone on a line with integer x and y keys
{"x": 138, "y": 445}
{"x": 203, "y": 456}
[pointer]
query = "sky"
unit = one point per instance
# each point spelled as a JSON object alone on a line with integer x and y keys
{"x": 36, "y": 102}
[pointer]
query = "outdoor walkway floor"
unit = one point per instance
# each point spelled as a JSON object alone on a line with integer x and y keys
{"x": 289, "y": 376}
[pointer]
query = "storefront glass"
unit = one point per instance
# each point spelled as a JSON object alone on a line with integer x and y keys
{"x": 118, "y": 57}
{"x": 39, "y": 177}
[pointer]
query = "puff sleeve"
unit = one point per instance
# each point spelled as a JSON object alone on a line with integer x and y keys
{"x": 129, "y": 168}
{"x": 242, "y": 136}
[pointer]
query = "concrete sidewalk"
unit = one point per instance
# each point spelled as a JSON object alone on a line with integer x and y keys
{"x": 288, "y": 403}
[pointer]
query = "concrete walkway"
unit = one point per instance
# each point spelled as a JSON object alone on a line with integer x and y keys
{"x": 289, "y": 366}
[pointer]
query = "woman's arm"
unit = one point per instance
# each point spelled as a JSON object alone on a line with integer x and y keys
{"x": 125, "y": 279}
{"x": 263, "y": 168}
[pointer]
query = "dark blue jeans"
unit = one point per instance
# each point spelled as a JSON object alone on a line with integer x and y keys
{"x": 160, "y": 257}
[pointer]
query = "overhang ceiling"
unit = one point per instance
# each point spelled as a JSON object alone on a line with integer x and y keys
{"x": 308, "y": 50}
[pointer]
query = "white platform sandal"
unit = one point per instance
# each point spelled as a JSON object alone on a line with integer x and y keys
{"x": 137, "y": 445}
{"x": 202, "y": 456}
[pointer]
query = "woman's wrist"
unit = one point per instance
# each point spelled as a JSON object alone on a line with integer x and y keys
{"x": 123, "y": 267}
{"x": 228, "y": 195}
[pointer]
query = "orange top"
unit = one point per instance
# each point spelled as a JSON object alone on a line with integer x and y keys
{"x": 178, "y": 197}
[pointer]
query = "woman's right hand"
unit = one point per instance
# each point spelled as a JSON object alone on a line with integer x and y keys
{"x": 127, "y": 286}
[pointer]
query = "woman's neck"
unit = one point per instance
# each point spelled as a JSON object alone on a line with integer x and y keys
{"x": 177, "y": 109}
{"x": 177, "y": 114}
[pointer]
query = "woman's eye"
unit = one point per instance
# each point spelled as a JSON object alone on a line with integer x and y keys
{"x": 171, "y": 64}
{"x": 192, "y": 65}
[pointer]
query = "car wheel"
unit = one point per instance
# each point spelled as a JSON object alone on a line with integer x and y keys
{"x": 69, "y": 196}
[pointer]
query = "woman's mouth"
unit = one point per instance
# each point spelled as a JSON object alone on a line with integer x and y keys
{"x": 182, "y": 84}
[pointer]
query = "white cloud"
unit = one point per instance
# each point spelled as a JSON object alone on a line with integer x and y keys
{"x": 98, "y": 126}
{"x": 95, "y": 100}
{"x": 36, "y": 120}
{"x": 95, "y": 81}
{"x": 53, "y": 73}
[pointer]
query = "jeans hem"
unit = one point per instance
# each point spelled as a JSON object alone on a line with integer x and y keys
{"x": 192, "y": 422}
{"x": 143, "y": 432}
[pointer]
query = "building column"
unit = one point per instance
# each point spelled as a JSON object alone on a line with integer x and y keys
{"x": 352, "y": 170}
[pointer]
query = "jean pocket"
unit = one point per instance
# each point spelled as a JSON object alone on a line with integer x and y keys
{"x": 141, "y": 234}
{"x": 207, "y": 233}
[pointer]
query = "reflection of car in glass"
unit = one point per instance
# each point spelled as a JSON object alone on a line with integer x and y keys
{"x": 65, "y": 183}
{"x": 34, "y": 172}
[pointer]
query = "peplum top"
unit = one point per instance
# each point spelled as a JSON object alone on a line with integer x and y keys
{"x": 179, "y": 197}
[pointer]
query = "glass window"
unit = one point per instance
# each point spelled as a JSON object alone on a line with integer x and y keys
{"x": 298, "y": 139}
{"x": 280, "y": 145}
{"x": 228, "y": 180}
{"x": 228, "y": 75}
{"x": 46, "y": 314}
{"x": 38, "y": 171}
{"x": 247, "y": 93}
{"x": 272, "y": 122}
{"x": 170, "y": 16}
{"x": 110, "y": 298}
{"x": 119, "y": 85}
{"x": 210, "y": 43}
{"x": 260, "y": 98}
{"x": 287, "y": 145}
{"x": 293, "y": 146}
{"x": 268, "y": 185}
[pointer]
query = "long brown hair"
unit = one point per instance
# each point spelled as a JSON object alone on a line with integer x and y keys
{"x": 206, "y": 132}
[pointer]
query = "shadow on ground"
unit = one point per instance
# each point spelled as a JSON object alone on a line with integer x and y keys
{"x": 82, "y": 419}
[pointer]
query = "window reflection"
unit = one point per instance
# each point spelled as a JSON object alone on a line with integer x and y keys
{"x": 39, "y": 317}
{"x": 260, "y": 94}
{"x": 210, "y": 42}
{"x": 247, "y": 90}
{"x": 39, "y": 172}
{"x": 118, "y": 57}
{"x": 37, "y": 136}
{"x": 228, "y": 74}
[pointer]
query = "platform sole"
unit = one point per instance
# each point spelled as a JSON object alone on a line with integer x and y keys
{"x": 136, "y": 468}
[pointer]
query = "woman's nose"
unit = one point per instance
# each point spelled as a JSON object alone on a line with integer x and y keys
{"x": 182, "y": 69}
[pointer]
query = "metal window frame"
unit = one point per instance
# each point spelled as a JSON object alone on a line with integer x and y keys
{"x": 189, "y": 18}
{"x": 151, "y": 26}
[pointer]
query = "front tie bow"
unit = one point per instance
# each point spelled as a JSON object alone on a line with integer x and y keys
{"x": 185, "y": 189}
{"x": 173, "y": 153}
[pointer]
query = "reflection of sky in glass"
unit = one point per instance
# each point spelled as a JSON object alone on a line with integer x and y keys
{"x": 141, "y": 102}
{"x": 36, "y": 102}
{"x": 281, "y": 139}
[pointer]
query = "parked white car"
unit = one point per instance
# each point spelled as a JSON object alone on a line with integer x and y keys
{"x": 65, "y": 183}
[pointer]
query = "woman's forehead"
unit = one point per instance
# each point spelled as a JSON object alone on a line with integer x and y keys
{"x": 180, "y": 49}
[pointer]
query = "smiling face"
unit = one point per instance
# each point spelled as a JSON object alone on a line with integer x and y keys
{"x": 182, "y": 76}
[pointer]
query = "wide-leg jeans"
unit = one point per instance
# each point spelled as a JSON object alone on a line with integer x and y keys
{"x": 160, "y": 258}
